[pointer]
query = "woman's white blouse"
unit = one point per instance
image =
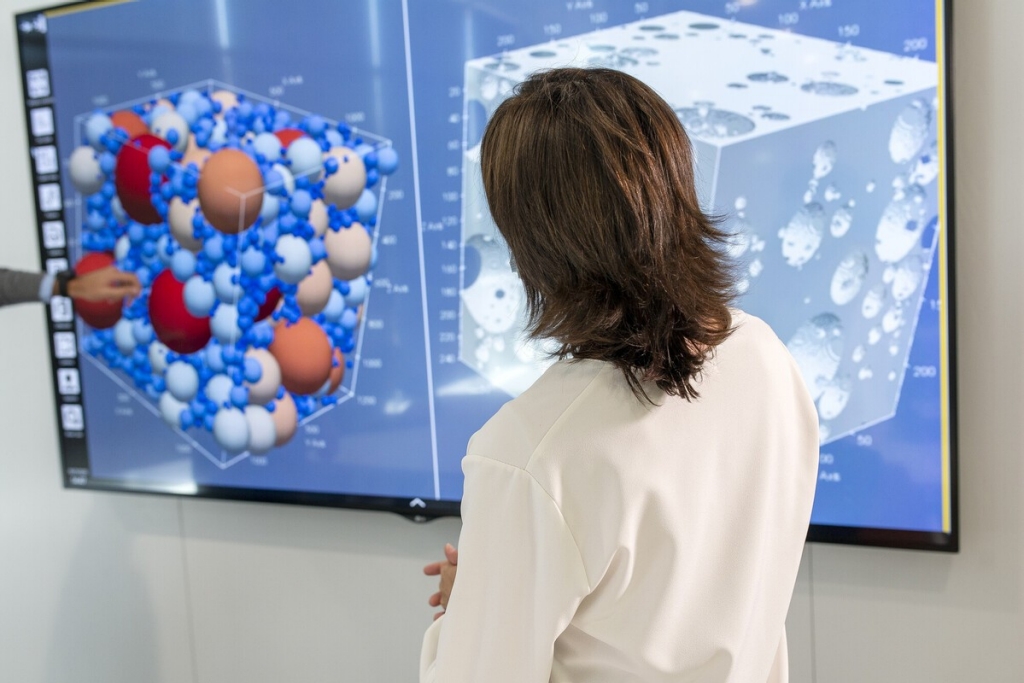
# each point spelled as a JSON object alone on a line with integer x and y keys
{"x": 608, "y": 541}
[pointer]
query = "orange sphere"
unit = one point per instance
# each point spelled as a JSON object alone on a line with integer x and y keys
{"x": 286, "y": 419}
{"x": 230, "y": 191}
{"x": 130, "y": 122}
{"x": 304, "y": 354}
{"x": 337, "y": 372}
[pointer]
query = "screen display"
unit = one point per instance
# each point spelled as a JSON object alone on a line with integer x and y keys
{"x": 328, "y": 312}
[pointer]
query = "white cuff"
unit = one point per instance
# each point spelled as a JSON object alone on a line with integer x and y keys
{"x": 46, "y": 288}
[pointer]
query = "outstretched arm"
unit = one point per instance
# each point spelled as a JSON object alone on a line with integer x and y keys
{"x": 18, "y": 286}
{"x": 105, "y": 284}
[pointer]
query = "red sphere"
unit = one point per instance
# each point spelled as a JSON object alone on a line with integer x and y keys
{"x": 131, "y": 178}
{"x": 269, "y": 304}
{"x": 100, "y": 315}
{"x": 289, "y": 135}
{"x": 178, "y": 329}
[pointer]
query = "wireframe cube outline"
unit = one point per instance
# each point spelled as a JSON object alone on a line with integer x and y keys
{"x": 223, "y": 460}
{"x": 835, "y": 249}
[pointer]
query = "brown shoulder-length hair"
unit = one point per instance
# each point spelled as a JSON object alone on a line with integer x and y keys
{"x": 589, "y": 178}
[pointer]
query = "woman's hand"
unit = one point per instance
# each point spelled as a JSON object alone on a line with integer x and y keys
{"x": 446, "y": 570}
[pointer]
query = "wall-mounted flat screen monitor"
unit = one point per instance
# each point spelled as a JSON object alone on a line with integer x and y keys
{"x": 328, "y": 312}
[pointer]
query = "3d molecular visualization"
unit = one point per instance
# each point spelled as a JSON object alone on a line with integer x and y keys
{"x": 834, "y": 252}
{"x": 250, "y": 229}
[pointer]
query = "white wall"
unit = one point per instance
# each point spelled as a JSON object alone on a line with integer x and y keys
{"x": 117, "y": 588}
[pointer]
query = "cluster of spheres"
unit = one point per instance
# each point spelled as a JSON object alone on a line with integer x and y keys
{"x": 251, "y": 235}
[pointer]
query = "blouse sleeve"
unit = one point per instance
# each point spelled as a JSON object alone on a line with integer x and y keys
{"x": 519, "y": 582}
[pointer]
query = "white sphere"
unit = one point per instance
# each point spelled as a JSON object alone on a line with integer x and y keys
{"x": 227, "y": 291}
{"x": 124, "y": 338}
{"x": 270, "y": 207}
{"x": 118, "y": 210}
{"x": 349, "y": 251}
{"x": 343, "y": 187}
{"x": 218, "y": 389}
{"x": 287, "y": 179}
{"x": 166, "y": 122}
{"x": 182, "y": 381}
{"x": 85, "y": 171}
{"x": 297, "y": 259}
{"x": 158, "y": 357}
{"x": 199, "y": 296}
{"x": 307, "y": 159}
{"x": 171, "y": 409}
{"x": 224, "y": 324}
{"x": 219, "y": 134}
{"x": 179, "y": 219}
{"x": 268, "y": 145}
{"x": 265, "y": 390}
{"x": 262, "y": 432}
{"x": 231, "y": 430}
{"x": 95, "y": 127}
{"x": 121, "y": 247}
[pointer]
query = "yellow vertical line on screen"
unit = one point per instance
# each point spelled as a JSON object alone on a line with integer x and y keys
{"x": 940, "y": 62}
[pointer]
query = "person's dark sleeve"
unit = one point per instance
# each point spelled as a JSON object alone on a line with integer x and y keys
{"x": 17, "y": 287}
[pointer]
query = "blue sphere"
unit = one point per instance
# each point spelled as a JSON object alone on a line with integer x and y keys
{"x": 159, "y": 158}
{"x": 200, "y": 296}
{"x": 349, "y": 319}
{"x": 366, "y": 206}
{"x": 214, "y": 248}
{"x": 189, "y": 112}
{"x": 214, "y": 357}
{"x": 253, "y": 262}
{"x": 252, "y": 370}
{"x": 302, "y": 203}
{"x": 182, "y": 381}
{"x": 183, "y": 264}
{"x": 387, "y": 160}
{"x": 357, "y": 290}
{"x": 335, "y": 307}
{"x": 239, "y": 396}
{"x": 142, "y": 331}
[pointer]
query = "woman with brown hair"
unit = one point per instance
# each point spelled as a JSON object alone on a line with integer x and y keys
{"x": 639, "y": 513}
